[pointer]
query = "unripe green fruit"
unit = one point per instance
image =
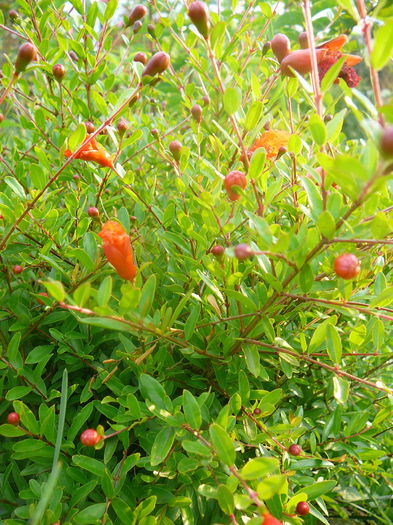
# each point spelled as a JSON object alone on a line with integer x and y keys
{"x": 26, "y": 54}
{"x": 199, "y": 16}
{"x": 157, "y": 64}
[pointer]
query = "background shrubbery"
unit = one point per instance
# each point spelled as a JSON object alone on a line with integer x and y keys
{"x": 205, "y": 369}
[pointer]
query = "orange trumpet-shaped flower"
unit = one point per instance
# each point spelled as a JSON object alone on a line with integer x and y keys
{"x": 95, "y": 152}
{"x": 117, "y": 248}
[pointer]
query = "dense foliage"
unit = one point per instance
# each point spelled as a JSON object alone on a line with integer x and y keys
{"x": 227, "y": 366}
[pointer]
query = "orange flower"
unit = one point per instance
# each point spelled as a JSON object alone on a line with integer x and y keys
{"x": 271, "y": 141}
{"x": 333, "y": 54}
{"x": 95, "y": 152}
{"x": 117, "y": 248}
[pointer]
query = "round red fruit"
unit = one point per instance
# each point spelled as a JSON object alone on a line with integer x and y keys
{"x": 175, "y": 148}
{"x": 17, "y": 269}
{"x": 90, "y": 437}
{"x": 217, "y": 250}
{"x": 295, "y": 450}
{"x": 13, "y": 418}
{"x": 387, "y": 141}
{"x": 93, "y": 212}
{"x": 58, "y": 71}
{"x": 234, "y": 178}
{"x": 302, "y": 508}
{"x": 347, "y": 266}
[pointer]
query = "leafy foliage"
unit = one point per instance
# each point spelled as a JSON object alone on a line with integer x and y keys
{"x": 201, "y": 372}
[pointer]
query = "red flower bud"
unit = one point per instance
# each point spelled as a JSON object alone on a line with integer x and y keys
{"x": 347, "y": 266}
{"x": 73, "y": 56}
{"x": 303, "y": 40}
{"x": 206, "y": 100}
{"x": 387, "y": 141}
{"x": 158, "y": 63}
{"x": 196, "y": 112}
{"x": 140, "y": 57}
{"x": 199, "y": 16}
{"x": 122, "y": 126}
{"x": 136, "y": 27}
{"x": 93, "y": 212}
{"x": 17, "y": 269}
{"x": 280, "y": 45}
{"x": 175, "y": 148}
{"x": 234, "y": 178}
{"x": 89, "y": 127}
{"x": 151, "y": 30}
{"x": 300, "y": 61}
{"x": 13, "y": 418}
{"x": 137, "y": 13}
{"x": 58, "y": 71}
{"x": 217, "y": 251}
{"x": 90, "y": 437}
{"x": 243, "y": 251}
{"x": 295, "y": 450}
{"x": 26, "y": 54}
{"x": 13, "y": 14}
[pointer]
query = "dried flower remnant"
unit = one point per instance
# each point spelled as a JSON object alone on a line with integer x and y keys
{"x": 94, "y": 152}
{"x": 117, "y": 248}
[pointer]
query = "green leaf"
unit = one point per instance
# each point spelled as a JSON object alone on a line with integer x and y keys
{"x": 259, "y": 468}
{"x": 17, "y": 392}
{"x": 257, "y": 164}
{"x": 254, "y": 114}
{"x": 225, "y": 499}
{"x": 385, "y": 298}
{"x": 16, "y": 187}
{"x": 77, "y": 137}
{"x": 13, "y": 353}
{"x": 318, "y": 129}
{"x": 153, "y": 390}
{"x": 326, "y": 224}
{"x": 162, "y": 445}
{"x": 111, "y": 7}
{"x": 104, "y": 291}
{"x": 147, "y": 296}
{"x": 252, "y": 360}
{"x": 90, "y": 464}
{"x": 196, "y": 447}
{"x": 317, "y": 489}
{"x": 90, "y": 515}
{"x": 62, "y": 415}
{"x": 55, "y": 289}
{"x": 232, "y": 100}
{"x": 192, "y": 411}
{"x": 383, "y": 45}
{"x": 222, "y": 444}
{"x": 7, "y": 430}
{"x": 333, "y": 343}
{"x": 341, "y": 389}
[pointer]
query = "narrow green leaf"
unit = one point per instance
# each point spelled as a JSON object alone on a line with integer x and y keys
{"x": 232, "y": 100}
{"x": 192, "y": 410}
{"x": 222, "y": 444}
{"x": 162, "y": 445}
{"x": 225, "y": 499}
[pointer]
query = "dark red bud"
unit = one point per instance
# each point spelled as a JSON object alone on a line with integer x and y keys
{"x": 300, "y": 61}
{"x": 134, "y": 99}
{"x": 302, "y": 508}
{"x": 93, "y": 212}
{"x": 206, "y": 100}
{"x": 386, "y": 143}
{"x": 199, "y": 16}
{"x": 73, "y": 56}
{"x": 328, "y": 117}
{"x": 280, "y": 45}
{"x": 13, "y": 14}
{"x": 17, "y": 269}
{"x": 122, "y": 126}
{"x": 58, "y": 71}
{"x": 295, "y": 450}
{"x": 155, "y": 133}
{"x": 140, "y": 57}
{"x": 175, "y": 148}
{"x": 217, "y": 250}
{"x": 257, "y": 411}
{"x": 136, "y": 27}
{"x": 137, "y": 13}
{"x": 303, "y": 40}
{"x": 243, "y": 251}
{"x": 151, "y": 30}
{"x": 265, "y": 48}
{"x": 157, "y": 64}
{"x": 196, "y": 112}
{"x": 75, "y": 177}
{"x": 89, "y": 127}
{"x": 27, "y": 52}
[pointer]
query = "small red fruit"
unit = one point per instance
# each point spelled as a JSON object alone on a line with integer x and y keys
{"x": 58, "y": 71}
{"x": 295, "y": 450}
{"x": 270, "y": 520}
{"x": 93, "y": 212}
{"x": 206, "y": 100}
{"x": 13, "y": 14}
{"x": 387, "y": 141}
{"x": 199, "y": 16}
{"x": 17, "y": 269}
{"x": 196, "y": 112}
{"x": 90, "y": 437}
{"x": 347, "y": 266}
{"x": 217, "y": 250}
{"x": 302, "y": 508}
{"x": 175, "y": 148}
{"x": 27, "y": 52}
{"x": 75, "y": 177}
{"x": 280, "y": 45}
{"x": 136, "y": 27}
{"x": 89, "y": 127}
{"x": 73, "y": 56}
{"x": 13, "y": 418}
{"x": 234, "y": 178}
{"x": 243, "y": 251}
{"x": 140, "y": 57}
{"x": 158, "y": 63}
{"x": 257, "y": 411}
{"x": 137, "y": 13}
